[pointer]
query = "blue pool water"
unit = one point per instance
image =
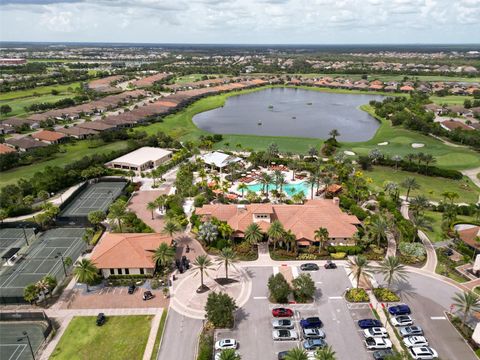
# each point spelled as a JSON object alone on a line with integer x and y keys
{"x": 289, "y": 189}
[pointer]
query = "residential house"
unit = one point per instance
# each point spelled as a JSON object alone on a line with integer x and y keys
{"x": 4, "y": 149}
{"x": 77, "y": 132}
{"x": 25, "y": 143}
{"x": 49, "y": 137}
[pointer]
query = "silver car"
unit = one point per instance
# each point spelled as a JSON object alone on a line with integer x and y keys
{"x": 313, "y": 334}
{"x": 282, "y": 324}
{"x": 413, "y": 330}
{"x": 284, "y": 334}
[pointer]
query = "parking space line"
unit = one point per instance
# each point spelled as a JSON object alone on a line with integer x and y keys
{"x": 259, "y": 297}
{"x": 438, "y": 318}
{"x": 335, "y": 297}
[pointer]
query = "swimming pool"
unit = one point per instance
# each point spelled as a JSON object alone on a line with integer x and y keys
{"x": 289, "y": 189}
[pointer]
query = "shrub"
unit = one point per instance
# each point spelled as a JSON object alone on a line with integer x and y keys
{"x": 356, "y": 295}
{"x": 412, "y": 249}
{"x": 385, "y": 295}
{"x": 303, "y": 288}
{"x": 282, "y": 254}
{"x": 205, "y": 347}
{"x": 338, "y": 256}
{"x": 307, "y": 257}
{"x": 279, "y": 288}
{"x": 350, "y": 250}
{"x": 219, "y": 309}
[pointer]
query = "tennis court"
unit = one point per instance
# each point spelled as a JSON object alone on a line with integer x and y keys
{"x": 14, "y": 238}
{"x": 97, "y": 196}
{"x": 42, "y": 259}
{"x": 11, "y": 332}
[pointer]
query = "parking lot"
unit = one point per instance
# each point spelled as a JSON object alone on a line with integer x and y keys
{"x": 339, "y": 320}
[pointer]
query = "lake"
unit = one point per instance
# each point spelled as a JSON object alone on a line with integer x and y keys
{"x": 292, "y": 112}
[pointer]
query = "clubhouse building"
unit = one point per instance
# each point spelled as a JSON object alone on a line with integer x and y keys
{"x": 145, "y": 158}
{"x": 302, "y": 220}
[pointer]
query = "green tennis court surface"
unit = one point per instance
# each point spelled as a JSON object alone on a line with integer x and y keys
{"x": 10, "y": 238}
{"x": 97, "y": 196}
{"x": 40, "y": 260}
{"x": 10, "y": 332}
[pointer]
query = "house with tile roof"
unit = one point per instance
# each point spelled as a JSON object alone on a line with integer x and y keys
{"x": 49, "y": 137}
{"x": 127, "y": 254}
{"x": 302, "y": 220}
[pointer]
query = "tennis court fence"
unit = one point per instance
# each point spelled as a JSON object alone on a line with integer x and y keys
{"x": 28, "y": 316}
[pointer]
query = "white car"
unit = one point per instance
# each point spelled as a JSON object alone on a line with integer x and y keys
{"x": 401, "y": 320}
{"x": 226, "y": 344}
{"x": 375, "y": 332}
{"x": 423, "y": 353}
{"x": 377, "y": 343}
{"x": 412, "y": 341}
{"x": 284, "y": 334}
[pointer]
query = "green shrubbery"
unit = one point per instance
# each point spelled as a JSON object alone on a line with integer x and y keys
{"x": 350, "y": 250}
{"x": 338, "y": 255}
{"x": 205, "y": 346}
{"x": 385, "y": 295}
{"x": 356, "y": 295}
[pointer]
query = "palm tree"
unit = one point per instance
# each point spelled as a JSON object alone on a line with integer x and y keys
{"x": 161, "y": 201}
{"x": 392, "y": 269}
{"x": 420, "y": 222}
{"x": 466, "y": 302}
{"x": 253, "y": 234}
{"x": 291, "y": 240}
{"x": 419, "y": 203}
{"x": 378, "y": 229}
{"x": 275, "y": 232}
{"x": 392, "y": 189}
{"x": 296, "y": 354}
{"x": 429, "y": 159}
{"x": 334, "y": 133}
{"x": 229, "y": 354}
{"x": 265, "y": 180}
{"x": 163, "y": 255}
{"x": 312, "y": 182}
{"x": 397, "y": 159}
{"x": 225, "y": 230}
{"x": 322, "y": 235}
{"x": 280, "y": 181}
{"x": 242, "y": 187}
{"x": 298, "y": 197}
{"x": 312, "y": 151}
{"x": 410, "y": 183}
{"x": 171, "y": 228}
{"x": 151, "y": 206}
{"x": 227, "y": 256}
{"x": 201, "y": 265}
{"x": 325, "y": 353}
{"x": 117, "y": 211}
{"x": 42, "y": 287}
{"x": 85, "y": 271}
{"x": 359, "y": 267}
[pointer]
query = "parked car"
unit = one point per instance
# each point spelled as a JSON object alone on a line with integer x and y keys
{"x": 147, "y": 295}
{"x": 399, "y": 310}
{"x": 377, "y": 343}
{"x": 313, "y": 334}
{"x": 330, "y": 265}
{"x": 101, "y": 319}
{"x": 284, "y": 334}
{"x": 410, "y": 331}
{"x": 312, "y": 344}
{"x": 311, "y": 322}
{"x": 226, "y": 344}
{"x": 375, "y": 332}
{"x": 282, "y": 355}
{"x": 423, "y": 353}
{"x": 448, "y": 251}
{"x": 282, "y": 312}
{"x": 369, "y": 323}
{"x": 382, "y": 354}
{"x": 309, "y": 267}
{"x": 131, "y": 289}
{"x": 401, "y": 320}
{"x": 412, "y": 341}
{"x": 282, "y": 324}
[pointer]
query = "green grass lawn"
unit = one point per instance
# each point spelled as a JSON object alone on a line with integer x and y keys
{"x": 193, "y": 77}
{"x": 431, "y": 187}
{"x": 435, "y": 217}
{"x": 39, "y": 90}
{"x": 384, "y": 77}
{"x": 450, "y": 99}
{"x": 122, "y": 337}
{"x": 74, "y": 151}
{"x": 19, "y": 104}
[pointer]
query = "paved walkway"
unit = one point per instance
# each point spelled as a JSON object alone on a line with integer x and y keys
{"x": 432, "y": 260}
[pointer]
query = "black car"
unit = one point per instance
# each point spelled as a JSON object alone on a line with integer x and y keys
{"x": 382, "y": 354}
{"x": 282, "y": 355}
{"x": 330, "y": 265}
{"x": 147, "y": 295}
{"x": 309, "y": 267}
{"x": 131, "y": 289}
{"x": 101, "y": 319}
{"x": 448, "y": 252}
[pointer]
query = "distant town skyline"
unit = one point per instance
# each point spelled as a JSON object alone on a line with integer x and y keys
{"x": 242, "y": 21}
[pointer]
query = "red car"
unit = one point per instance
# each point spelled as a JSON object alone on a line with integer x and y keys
{"x": 282, "y": 312}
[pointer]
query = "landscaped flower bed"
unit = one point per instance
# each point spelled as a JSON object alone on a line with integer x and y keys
{"x": 385, "y": 295}
{"x": 356, "y": 295}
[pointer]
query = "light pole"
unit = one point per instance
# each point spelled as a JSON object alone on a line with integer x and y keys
{"x": 25, "y": 235}
{"x": 59, "y": 255}
{"x": 29, "y": 343}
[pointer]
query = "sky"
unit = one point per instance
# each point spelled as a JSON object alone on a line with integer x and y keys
{"x": 242, "y": 21}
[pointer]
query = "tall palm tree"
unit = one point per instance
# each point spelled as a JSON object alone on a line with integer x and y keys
{"x": 378, "y": 229}
{"x": 280, "y": 181}
{"x": 253, "y": 234}
{"x": 225, "y": 230}
{"x": 85, "y": 271}
{"x": 334, "y": 133}
{"x": 312, "y": 182}
{"x": 397, "y": 159}
{"x": 163, "y": 255}
{"x": 161, "y": 201}
{"x": 151, "y": 206}
{"x": 265, "y": 180}
{"x": 227, "y": 257}
{"x": 170, "y": 228}
{"x": 419, "y": 203}
{"x": 419, "y": 223}
{"x": 410, "y": 183}
{"x": 392, "y": 189}
{"x": 202, "y": 264}
{"x": 296, "y": 354}
{"x": 117, "y": 212}
{"x": 242, "y": 187}
{"x": 325, "y": 353}
{"x": 392, "y": 269}
{"x": 291, "y": 240}
{"x": 466, "y": 302}
{"x": 359, "y": 267}
{"x": 298, "y": 197}
{"x": 275, "y": 232}
{"x": 322, "y": 235}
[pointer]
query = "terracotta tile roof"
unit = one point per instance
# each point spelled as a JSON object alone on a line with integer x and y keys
{"x": 302, "y": 220}
{"x": 469, "y": 236}
{"x": 4, "y": 149}
{"x": 406, "y": 88}
{"x": 130, "y": 251}
{"x": 47, "y": 135}
{"x": 452, "y": 125}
